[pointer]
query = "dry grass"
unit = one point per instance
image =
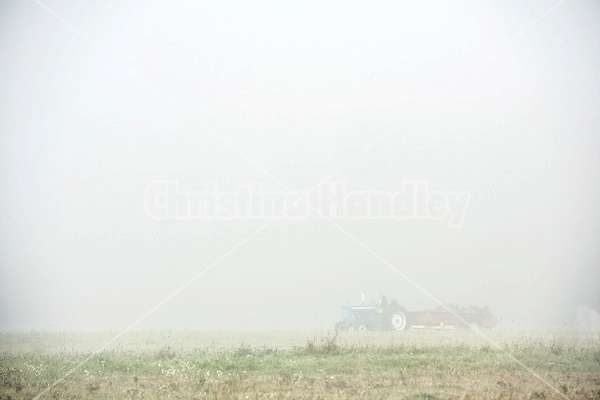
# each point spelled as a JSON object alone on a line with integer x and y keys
{"x": 301, "y": 365}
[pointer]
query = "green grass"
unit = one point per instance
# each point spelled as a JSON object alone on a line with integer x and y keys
{"x": 282, "y": 365}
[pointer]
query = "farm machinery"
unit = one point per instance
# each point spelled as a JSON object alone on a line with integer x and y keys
{"x": 394, "y": 317}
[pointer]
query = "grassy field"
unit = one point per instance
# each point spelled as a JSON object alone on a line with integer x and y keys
{"x": 301, "y": 365}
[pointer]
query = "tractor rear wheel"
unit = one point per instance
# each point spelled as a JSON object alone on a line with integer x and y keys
{"x": 399, "y": 321}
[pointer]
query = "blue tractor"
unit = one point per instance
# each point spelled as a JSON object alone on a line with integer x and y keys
{"x": 365, "y": 317}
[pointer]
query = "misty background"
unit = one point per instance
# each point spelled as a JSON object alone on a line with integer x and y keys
{"x": 300, "y": 89}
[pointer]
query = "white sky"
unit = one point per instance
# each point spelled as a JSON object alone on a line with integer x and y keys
{"x": 300, "y": 89}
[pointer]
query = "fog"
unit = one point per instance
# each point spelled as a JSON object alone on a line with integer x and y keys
{"x": 99, "y": 101}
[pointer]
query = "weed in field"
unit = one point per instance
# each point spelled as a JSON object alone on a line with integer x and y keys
{"x": 92, "y": 387}
{"x": 165, "y": 353}
{"x": 325, "y": 345}
{"x": 424, "y": 396}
